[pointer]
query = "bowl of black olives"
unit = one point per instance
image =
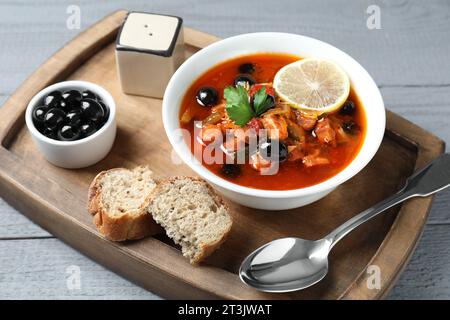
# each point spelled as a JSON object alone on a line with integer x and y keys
{"x": 72, "y": 123}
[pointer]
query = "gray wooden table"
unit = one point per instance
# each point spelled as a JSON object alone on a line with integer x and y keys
{"x": 408, "y": 57}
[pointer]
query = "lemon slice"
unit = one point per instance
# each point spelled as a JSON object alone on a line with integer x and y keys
{"x": 313, "y": 85}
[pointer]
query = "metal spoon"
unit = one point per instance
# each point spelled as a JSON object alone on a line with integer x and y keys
{"x": 291, "y": 264}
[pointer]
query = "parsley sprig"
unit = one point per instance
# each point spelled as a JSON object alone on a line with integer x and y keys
{"x": 262, "y": 101}
{"x": 239, "y": 108}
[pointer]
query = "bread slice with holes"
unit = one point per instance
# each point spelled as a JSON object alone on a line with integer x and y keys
{"x": 192, "y": 214}
{"x": 118, "y": 199}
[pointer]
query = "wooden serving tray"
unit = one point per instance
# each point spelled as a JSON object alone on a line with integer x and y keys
{"x": 55, "y": 198}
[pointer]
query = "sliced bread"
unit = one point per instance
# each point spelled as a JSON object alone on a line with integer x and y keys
{"x": 118, "y": 199}
{"x": 192, "y": 214}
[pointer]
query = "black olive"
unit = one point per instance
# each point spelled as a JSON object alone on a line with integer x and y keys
{"x": 53, "y": 99}
{"x": 231, "y": 170}
{"x": 65, "y": 106}
{"x": 49, "y": 133}
{"x": 89, "y": 94}
{"x": 54, "y": 118}
{"x": 92, "y": 110}
{"x": 349, "y": 127}
{"x": 348, "y": 108}
{"x": 68, "y": 133}
{"x": 72, "y": 99}
{"x": 267, "y": 147}
{"x": 105, "y": 111}
{"x": 38, "y": 115}
{"x": 244, "y": 80}
{"x": 73, "y": 118}
{"x": 88, "y": 128}
{"x": 247, "y": 68}
{"x": 207, "y": 96}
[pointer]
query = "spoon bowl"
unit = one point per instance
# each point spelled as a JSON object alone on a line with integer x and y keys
{"x": 286, "y": 264}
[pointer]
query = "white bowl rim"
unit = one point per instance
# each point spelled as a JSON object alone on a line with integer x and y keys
{"x": 65, "y": 85}
{"x": 356, "y": 165}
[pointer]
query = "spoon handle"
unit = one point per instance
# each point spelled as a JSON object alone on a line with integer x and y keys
{"x": 432, "y": 178}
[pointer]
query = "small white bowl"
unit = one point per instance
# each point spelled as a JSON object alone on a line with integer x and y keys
{"x": 79, "y": 153}
{"x": 298, "y": 45}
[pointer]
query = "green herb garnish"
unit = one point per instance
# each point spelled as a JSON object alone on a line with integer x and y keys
{"x": 238, "y": 104}
{"x": 262, "y": 101}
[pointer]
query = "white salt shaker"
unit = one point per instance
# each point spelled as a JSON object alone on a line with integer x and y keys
{"x": 149, "y": 48}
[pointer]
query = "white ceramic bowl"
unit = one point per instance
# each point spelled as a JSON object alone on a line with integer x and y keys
{"x": 80, "y": 153}
{"x": 304, "y": 47}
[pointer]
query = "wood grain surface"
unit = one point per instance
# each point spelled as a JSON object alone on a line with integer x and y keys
{"x": 407, "y": 58}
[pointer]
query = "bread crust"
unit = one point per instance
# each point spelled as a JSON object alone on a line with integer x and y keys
{"x": 121, "y": 228}
{"x": 207, "y": 249}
